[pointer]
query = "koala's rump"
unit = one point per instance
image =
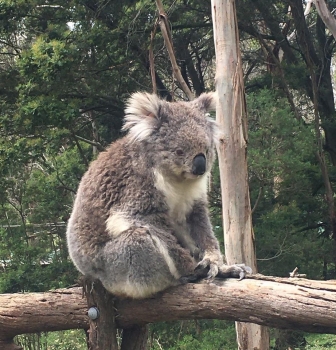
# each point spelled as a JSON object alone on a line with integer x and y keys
{"x": 142, "y": 261}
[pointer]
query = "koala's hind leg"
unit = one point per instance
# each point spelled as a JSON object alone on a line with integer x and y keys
{"x": 143, "y": 261}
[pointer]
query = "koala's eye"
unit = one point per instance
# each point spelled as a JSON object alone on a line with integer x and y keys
{"x": 179, "y": 152}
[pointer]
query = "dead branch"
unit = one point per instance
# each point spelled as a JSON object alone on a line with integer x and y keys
{"x": 151, "y": 58}
{"x": 165, "y": 30}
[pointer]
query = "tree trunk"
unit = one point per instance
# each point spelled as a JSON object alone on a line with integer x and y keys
{"x": 295, "y": 304}
{"x": 231, "y": 115}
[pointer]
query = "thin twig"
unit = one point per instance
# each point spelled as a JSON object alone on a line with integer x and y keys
{"x": 258, "y": 199}
{"x": 92, "y": 143}
{"x": 151, "y": 58}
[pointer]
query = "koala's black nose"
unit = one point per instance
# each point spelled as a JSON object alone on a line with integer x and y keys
{"x": 199, "y": 164}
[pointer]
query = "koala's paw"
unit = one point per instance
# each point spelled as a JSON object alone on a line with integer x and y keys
{"x": 210, "y": 263}
{"x": 237, "y": 270}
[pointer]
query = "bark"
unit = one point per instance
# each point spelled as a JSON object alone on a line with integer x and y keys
{"x": 296, "y": 304}
{"x": 40, "y": 312}
{"x": 102, "y": 331}
{"x": 232, "y": 157}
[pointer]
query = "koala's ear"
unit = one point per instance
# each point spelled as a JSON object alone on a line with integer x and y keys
{"x": 206, "y": 101}
{"x": 141, "y": 115}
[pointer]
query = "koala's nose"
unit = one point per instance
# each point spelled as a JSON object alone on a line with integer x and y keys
{"x": 199, "y": 164}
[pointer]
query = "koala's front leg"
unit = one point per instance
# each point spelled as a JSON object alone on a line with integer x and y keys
{"x": 203, "y": 236}
{"x": 211, "y": 264}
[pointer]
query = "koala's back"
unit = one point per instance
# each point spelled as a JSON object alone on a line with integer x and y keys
{"x": 113, "y": 181}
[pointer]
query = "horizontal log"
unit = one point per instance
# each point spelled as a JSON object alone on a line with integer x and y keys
{"x": 56, "y": 310}
{"x": 298, "y": 304}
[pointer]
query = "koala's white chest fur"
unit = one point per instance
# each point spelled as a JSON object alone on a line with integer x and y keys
{"x": 180, "y": 198}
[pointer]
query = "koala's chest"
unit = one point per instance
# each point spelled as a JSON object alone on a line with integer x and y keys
{"x": 180, "y": 198}
{"x": 180, "y": 205}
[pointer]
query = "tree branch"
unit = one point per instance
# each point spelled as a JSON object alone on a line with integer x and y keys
{"x": 93, "y": 143}
{"x": 151, "y": 58}
{"x": 298, "y": 304}
{"x": 303, "y": 35}
{"x": 261, "y": 188}
{"x": 169, "y": 46}
{"x": 273, "y": 25}
{"x": 326, "y": 16}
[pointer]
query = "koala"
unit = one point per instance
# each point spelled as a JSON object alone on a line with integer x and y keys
{"x": 140, "y": 220}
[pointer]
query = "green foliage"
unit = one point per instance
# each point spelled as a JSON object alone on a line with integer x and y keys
{"x": 66, "y": 340}
{"x": 36, "y": 202}
{"x": 189, "y": 335}
{"x": 320, "y": 341}
{"x": 288, "y": 219}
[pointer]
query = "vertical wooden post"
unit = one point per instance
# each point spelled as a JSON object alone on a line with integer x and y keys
{"x": 135, "y": 338}
{"x": 102, "y": 332}
{"x": 231, "y": 115}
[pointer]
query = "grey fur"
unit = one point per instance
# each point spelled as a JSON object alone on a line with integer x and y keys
{"x": 140, "y": 220}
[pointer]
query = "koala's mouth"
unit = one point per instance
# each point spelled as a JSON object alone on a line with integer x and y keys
{"x": 190, "y": 176}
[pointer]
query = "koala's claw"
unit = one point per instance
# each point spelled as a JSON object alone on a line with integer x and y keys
{"x": 213, "y": 272}
{"x": 237, "y": 270}
{"x": 208, "y": 271}
{"x": 203, "y": 264}
{"x": 208, "y": 267}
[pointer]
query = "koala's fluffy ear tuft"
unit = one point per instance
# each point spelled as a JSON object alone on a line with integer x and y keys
{"x": 141, "y": 115}
{"x": 206, "y": 101}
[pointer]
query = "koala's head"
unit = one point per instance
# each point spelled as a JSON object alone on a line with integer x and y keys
{"x": 177, "y": 137}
